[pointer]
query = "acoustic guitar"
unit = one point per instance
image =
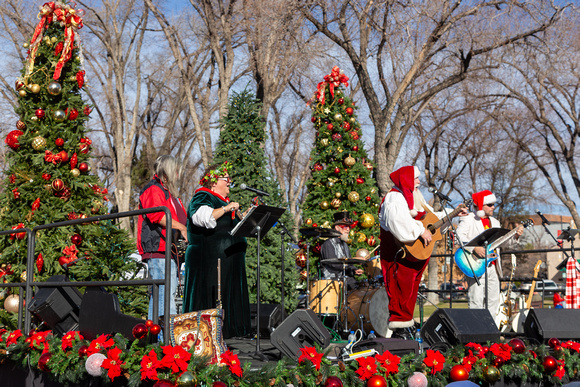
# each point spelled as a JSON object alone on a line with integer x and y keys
{"x": 520, "y": 318}
{"x": 432, "y": 223}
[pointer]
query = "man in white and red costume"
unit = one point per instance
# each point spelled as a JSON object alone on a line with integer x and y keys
{"x": 399, "y": 216}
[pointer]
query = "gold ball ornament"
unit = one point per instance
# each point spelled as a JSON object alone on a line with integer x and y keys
{"x": 360, "y": 237}
{"x": 335, "y": 203}
{"x": 352, "y": 119}
{"x": 330, "y": 184}
{"x": 26, "y": 45}
{"x": 338, "y": 117}
{"x": 326, "y": 224}
{"x": 324, "y": 205}
{"x": 349, "y": 241}
{"x": 22, "y": 93}
{"x": 53, "y": 39}
{"x": 309, "y": 222}
{"x": 38, "y": 143}
{"x": 300, "y": 259}
{"x": 338, "y": 195}
{"x": 72, "y": 78}
{"x": 362, "y": 253}
{"x": 491, "y": 374}
{"x": 75, "y": 172}
{"x": 349, "y": 161}
{"x": 59, "y": 115}
{"x": 373, "y": 191}
{"x": 11, "y": 303}
{"x": 54, "y": 88}
{"x": 34, "y": 118}
{"x": 367, "y": 220}
{"x": 303, "y": 275}
{"x": 324, "y": 141}
{"x": 351, "y": 233}
{"x": 23, "y": 276}
{"x": 187, "y": 379}
{"x": 35, "y": 88}
{"x": 353, "y": 197}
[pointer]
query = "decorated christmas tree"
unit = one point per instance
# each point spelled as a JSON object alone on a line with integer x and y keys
{"x": 241, "y": 143}
{"x": 341, "y": 170}
{"x": 48, "y": 171}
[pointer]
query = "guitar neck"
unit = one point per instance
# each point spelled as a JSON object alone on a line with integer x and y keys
{"x": 500, "y": 241}
{"x": 439, "y": 223}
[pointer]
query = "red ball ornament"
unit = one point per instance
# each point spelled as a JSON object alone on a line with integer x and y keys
{"x": 64, "y": 260}
{"x": 63, "y": 156}
{"x": 314, "y": 224}
{"x": 517, "y": 345}
{"x": 57, "y": 185}
{"x": 329, "y": 126}
{"x": 163, "y": 383}
{"x": 346, "y": 125}
{"x": 355, "y": 148}
{"x": 376, "y": 381}
{"x": 459, "y": 373}
{"x": 550, "y": 364}
{"x": 74, "y": 113}
{"x": 354, "y": 134}
{"x": 76, "y": 239}
{"x": 43, "y": 361}
{"x": 83, "y": 167}
{"x": 20, "y": 125}
{"x": 340, "y": 101}
{"x": 337, "y": 170}
{"x": 371, "y": 241}
{"x": 149, "y": 323}
{"x": 337, "y": 137}
{"x": 155, "y": 329}
{"x": 553, "y": 342}
{"x": 360, "y": 180}
{"x": 498, "y": 362}
{"x": 39, "y": 113}
{"x": 368, "y": 198}
{"x": 83, "y": 350}
{"x": 12, "y": 139}
{"x": 59, "y": 142}
{"x": 333, "y": 381}
{"x": 349, "y": 111}
{"x": 46, "y": 176}
{"x": 313, "y": 119}
{"x": 140, "y": 331}
{"x": 218, "y": 383}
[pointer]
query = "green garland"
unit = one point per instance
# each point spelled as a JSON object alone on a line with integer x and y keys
{"x": 129, "y": 363}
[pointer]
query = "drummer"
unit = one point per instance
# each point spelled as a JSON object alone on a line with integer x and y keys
{"x": 337, "y": 247}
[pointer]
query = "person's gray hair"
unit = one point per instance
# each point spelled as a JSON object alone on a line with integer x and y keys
{"x": 168, "y": 170}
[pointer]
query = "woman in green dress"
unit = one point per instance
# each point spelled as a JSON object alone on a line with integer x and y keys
{"x": 210, "y": 217}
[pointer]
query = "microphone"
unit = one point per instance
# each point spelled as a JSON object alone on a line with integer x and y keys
{"x": 544, "y": 220}
{"x": 254, "y": 190}
{"x": 434, "y": 191}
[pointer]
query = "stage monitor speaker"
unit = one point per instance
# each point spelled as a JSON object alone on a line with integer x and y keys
{"x": 57, "y": 307}
{"x": 397, "y": 347}
{"x": 301, "y": 329}
{"x": 458, "y": 326}
{"x": 543, "y": 324}
{"x": 270, "y": 317}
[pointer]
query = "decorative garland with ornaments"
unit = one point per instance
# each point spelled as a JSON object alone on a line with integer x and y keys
{"x": 72, "y": 359}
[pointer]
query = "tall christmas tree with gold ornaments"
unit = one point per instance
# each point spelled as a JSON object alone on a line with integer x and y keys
{"x": 341, "y": 169}
{"x": 48, "y": 175}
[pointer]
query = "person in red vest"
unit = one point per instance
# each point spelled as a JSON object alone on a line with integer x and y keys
{"x": 399, "y": 217}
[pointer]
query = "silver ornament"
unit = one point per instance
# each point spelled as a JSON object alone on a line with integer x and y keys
{"x": 54, "y": 88}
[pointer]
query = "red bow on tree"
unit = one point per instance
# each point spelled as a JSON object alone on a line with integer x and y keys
{"x": 334, "y": 79}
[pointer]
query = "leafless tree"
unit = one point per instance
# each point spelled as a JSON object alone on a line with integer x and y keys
{"x": 404, "y": 54}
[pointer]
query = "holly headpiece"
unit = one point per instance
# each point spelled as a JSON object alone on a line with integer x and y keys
{"x": 213, "y": 174}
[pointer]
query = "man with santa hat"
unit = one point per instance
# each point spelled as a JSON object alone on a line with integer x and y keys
{"x": 399, "y": 216}
{"x": 471, "y": 226}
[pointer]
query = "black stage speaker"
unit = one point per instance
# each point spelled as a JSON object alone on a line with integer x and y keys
{"x": 543, "y": 324}
{"x": 397, "y": 347}
{"x": 301, "y": 329}
{"x": 101, "y": 314}
{"x": 58, "y": 307}
{"x": 270, "y": 317}
{"x": 458, "y": 326}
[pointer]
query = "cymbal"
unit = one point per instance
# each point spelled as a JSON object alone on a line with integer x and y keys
{"x": 344, "y": 260}
{"x": 319, "y": 232}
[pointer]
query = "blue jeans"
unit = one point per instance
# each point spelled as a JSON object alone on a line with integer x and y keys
{"x": 156, "y": 267}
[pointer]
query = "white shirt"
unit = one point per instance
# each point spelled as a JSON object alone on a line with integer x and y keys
{"x": 203, "y": 217}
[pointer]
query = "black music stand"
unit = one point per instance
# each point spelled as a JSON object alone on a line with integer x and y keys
{"x": 567, "y": 235}
{"x": 256, "y": 224}
{"x": 484, "y": 240}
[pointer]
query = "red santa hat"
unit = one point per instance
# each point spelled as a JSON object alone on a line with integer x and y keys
{"x": 481, "y": 198}
{"x": 404, "y": 180}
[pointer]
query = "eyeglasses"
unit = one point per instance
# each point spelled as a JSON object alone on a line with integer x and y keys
{"x": 490, "y": 205}
{"x": 227, "y": 179}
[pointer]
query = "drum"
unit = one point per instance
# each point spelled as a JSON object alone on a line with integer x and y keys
{"x": 370, "y": 307}
{"x": 324, "y": 296}
{"x": 373, "y": 269}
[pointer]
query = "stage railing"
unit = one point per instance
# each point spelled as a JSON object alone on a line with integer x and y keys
{"x": 27, "y": 287}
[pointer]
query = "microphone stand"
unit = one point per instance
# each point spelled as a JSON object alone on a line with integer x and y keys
{"x": 283, "y": 231}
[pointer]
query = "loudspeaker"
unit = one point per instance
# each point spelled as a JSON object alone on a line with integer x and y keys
{"x": 271, "y": 316}
{"x": 458, "y": 326}
{"x": 301, "y": 329}
{"x": 397, "y": 347}
{"x": 543, "y": 324}
{"x": 58, "y": 307}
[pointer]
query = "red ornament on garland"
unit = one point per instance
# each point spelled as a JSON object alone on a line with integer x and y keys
{"x": 337, "y": 170}
{"x": 337, "y": 137}
{"x": 74, "y": 113}
{"x": 39, "y": 262}
{"x": 313, "y": 119}
{"x": 376, "y": 381}
{"x": 354, "y": 135}
{"x": 340, "y": 101}
{"x": 83, "y": 350}
{"x": 333, "y": 381}
{"x": 346, "y": 125}
{"x": 20, "y": 125}
{"x": 57, "y": 185}
{"x": 59, "y": 142}
{"x": 83, "y": 167}
{"x": 155, "y": 329}
{"x": 73, "y": 161}
{"x": 218, "y": 383}
{"x": 149, "y": 323}
{"x": 498, "y": 362}
{"x": 46, "y": 176}
{"x": 553, "y": 342}
{"x": 64, "y": 260}
{"x": 140, "y": 331}
{"x": 517, "y": 345}
{"x": 76, "y": 239}
{"x": 355, "y": 148}
{"x": 63, "y": 156}
{"x": 371, "y": 241}
{"x": 349, "y": 111}
{"x": 12, "y": 139}
{"x": 458, "y": 373}
{"x": 550, "y": 364}
{"x": 368, "y": 198}
{"x": 329, "y": 126}
{"x": 43, "y": 361}
{"x": 39, "y": 113}
{"x": 163, "y": 383}
{"x": 360, "y": 180}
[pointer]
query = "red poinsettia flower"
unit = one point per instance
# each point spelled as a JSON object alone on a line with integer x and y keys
{"x": 389, "y": 362}
{"x": 13, "y": 337}
{"x": 176, "y": 358}
{"x": 501, "y": 350}
{"x": 38, "y": 339}
{"x": 560, "y": 371}
{"x": 367, "y": 367}
{"x": 233, "y": 363}
{"x": 112, "y": 363}
{"x": 469, "y": 360}
{"x": 67, "y": 340}
{"x": 435, "y": 360}
{"x": 535, "y": 356}
{"x": 149, "y": 365}
{"x": 2, "y": 332}
{"x": 571, "y": 345}
{"x": 100, "y": 343}
{"x": 477, "y": 349}
{"x": 309, "y": 353}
